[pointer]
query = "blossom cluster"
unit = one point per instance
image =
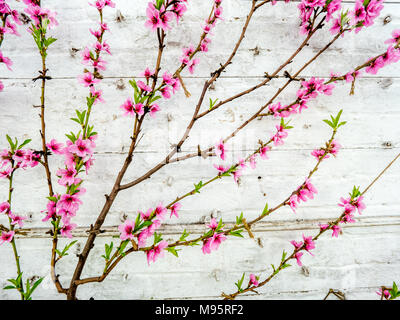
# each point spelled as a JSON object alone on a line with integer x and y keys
{"x": 78, "y": 157}
{"x": 392, "y": 54}
{"x": 362, "y": 15}
{"x": 323, "y": 153}
{"x": 310, "y": 89}
{"x": 10, "y": 161}
{"x": 145, "y": 226}
{"x": 9, "y": 20}
{"x": 237, "y": 169}
{"x": 307, "y": 244}
{"x": 309, "y": 7}
{"x": 303, "y": 193}
{"x": 351, "y": 205}
{"x": 79, "y": 149}
{"x": 145, "y": 97}
{"x": 215, "y": 239}
{"x": 91, "y": 56}
{"x": 39, "y": 15}
{"x": 189, "y": 52}
{"x": 160, "y": 13}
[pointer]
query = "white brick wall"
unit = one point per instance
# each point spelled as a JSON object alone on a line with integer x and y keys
{"x": 363, "y": 258}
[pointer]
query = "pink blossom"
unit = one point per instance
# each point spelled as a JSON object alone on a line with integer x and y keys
{"x": 69, "y": 202}
{"x": 147, "y": 73}
{"x": 4, "y": 207}
{"x": 263, "y": 152}
{"x": 192, "y": 64}
{"x": 395, "y": 37}
{"x": 253, "y": 280}
{"x": 55, "y": 147}
{"x": 157, "y": 252}
{"x": 81, "y": 148}
{"x": 221, "y": 168}
{"x": 5, "y": 173}
{"x": 174, "y": 209}
{"x": 220, "y": 149}
{"x": 252, "y": 161}
{"x": 218, "y": 238}
{"x": 153, "y": 110}
{"x": 67, "y": 228}
{"x": 6, "y": 61}
{"x": 17, "y": 219}
{"x": 153, "y": 16}
{"x": 143, "y": 86}
{"x": 126, "y": 230}
{"x": 67, "y": 176}
{"x": 87, "y": 79}
{"x": 335, "y": 231}
{"x": 213, "y": 224}
{"x": 308, "y": 244}
{"x": 6, "y": 236}
{"x": 297, "y": 256}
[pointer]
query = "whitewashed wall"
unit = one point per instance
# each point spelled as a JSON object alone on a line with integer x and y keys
{"x": 358, "y": 262}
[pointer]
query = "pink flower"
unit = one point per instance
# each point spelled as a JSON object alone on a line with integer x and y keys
{"x": 55, "y": 147}
{"x": 153, "y": 16}
{"x": 66, "y": 229}
{"x": 174, "y": 209}
{"x": 323, "y": 227}
{"x": 67, "y": 176}
{"x": 220, "y": 149}
{"x": 154, "y": 109}
{"x": 126, "y": 230}
{"x": 69, "y": 202}
{"x": 221, "y": 168}
{"x": 147, "y": 73}
{"x": 253, "y": 280}
{"x": 4, "y": 207}
{"x": 6, "y": 236}
{"x": 192, "y": 64}
{"x": 127, "y": 107}
{"x": 308, "y": 244}
{"x": 237, "y": 174}
{"x": 297, "y": 245}
{"x": 279, "y": 136}
{"x": 252, "y": 161}
{"x": 206, "y": 248}
{"x": 157, "y": 252}
{"x": 297, "y": 256}
{"x": 359, "y": 204}
{"x": 147, "y": 215}
{"x": 160, "y": 211}
{"x": 358, "y": 14}
{"x": 218, "y": 238}
{"x": 87, "y": 79}
{"x": 263, "y": 152}
{"x": 97, "y": 95}
{"x": 213, "y": 224}
{"x": 81, "y": 148}
{"x": 335, "y": 231}
{"x": 395, "y": 37}
{"x": 143, "y": 86}
{"x": 17, "y": 219}
{"x": 5, "y": 173}
{"x": 6, "y": 61}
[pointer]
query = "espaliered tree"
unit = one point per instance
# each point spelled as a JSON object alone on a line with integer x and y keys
{"x": 149, "y": 96}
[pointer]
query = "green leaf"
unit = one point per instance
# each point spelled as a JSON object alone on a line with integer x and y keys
{"x": 284, "y": 253}
{"x": 24, "y": 143}
{"x": 122, "y": 247}
{"x": 157, "y": 238}
{"x": 173, "y": 251}
{"x": 239, "y": 219}
{"x": 239, "y": 283}
{"x": 12, "y": 146}
{"x": 198, "y": 186}
{"x": 237, "y": 233}
{"x": 184, "y": 235}
{"x": 265, "y": 211}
